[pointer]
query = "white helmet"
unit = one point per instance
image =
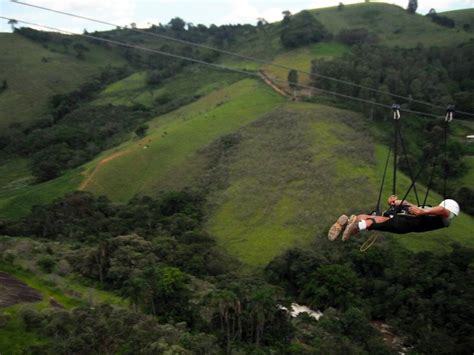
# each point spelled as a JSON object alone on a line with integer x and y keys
{"x": 451, "y": 206}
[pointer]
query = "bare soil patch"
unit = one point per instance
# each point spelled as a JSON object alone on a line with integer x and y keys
{"x": 13, "y": 291}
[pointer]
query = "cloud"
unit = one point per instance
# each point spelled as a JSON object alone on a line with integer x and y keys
{"x": 121, "y": 12}
{"x": 241, "y": 12}
{"x": 124, "y": 12}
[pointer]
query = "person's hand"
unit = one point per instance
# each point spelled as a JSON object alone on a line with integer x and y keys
{"x": 416, "y": 211}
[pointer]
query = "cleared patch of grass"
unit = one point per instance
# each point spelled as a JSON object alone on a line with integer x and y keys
{"x": 47, "y": 289}
{"x": 147, "y": 165}
{"x": 135, "y": 90}
{"x": 285, "y": 184}
{"x": 301, "y": 58}
{"x": 294, "y": 172}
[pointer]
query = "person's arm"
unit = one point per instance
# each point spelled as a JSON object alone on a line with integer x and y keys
{"x": 433, "y": 211}
{"x": 405, "y": 203}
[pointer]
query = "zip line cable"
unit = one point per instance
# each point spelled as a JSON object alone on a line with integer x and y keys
{"x": 219, "y": 66}
{"x": 261, "y": 61}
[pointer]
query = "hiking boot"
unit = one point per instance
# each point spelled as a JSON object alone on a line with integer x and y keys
{"x": 351, "y": 229}
{"x": 337, "y": 227}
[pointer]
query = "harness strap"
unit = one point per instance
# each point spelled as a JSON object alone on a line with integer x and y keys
{"x": 396, "y": 119}
{"x": 377, "y": 208}
{"x": 449, "y": 117}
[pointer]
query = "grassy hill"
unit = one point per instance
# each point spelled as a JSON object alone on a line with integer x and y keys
{"x": 147, "y": 165}
{"x": 392, "y": 25}
{"x": 276, "y": 173}
{"x": 35, "y": 73}
{"x": 462, "y": 18}
{"x": 18, "y": 194}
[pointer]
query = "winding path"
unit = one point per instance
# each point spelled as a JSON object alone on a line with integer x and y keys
{"x": 94, "y": 171}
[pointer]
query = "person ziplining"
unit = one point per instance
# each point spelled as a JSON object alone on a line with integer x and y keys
{"x": 402, "y": 216}
{"x": 414, "y": 219}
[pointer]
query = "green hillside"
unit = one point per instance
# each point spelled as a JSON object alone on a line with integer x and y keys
{"x": 135, "y": 90}
{"x": 392, "y": 24}
{"x": 284, "y": 174}
{"x": 175, "y": 208}
{"x": 267, "y": 192}
{"x": 147, "y": 165}
{"x": 35, "y": 73}
{"x": 464, "y": 19}
{"x": 18, "y": 194}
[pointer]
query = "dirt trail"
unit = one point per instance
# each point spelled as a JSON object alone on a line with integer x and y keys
{"x": 104, "y": 161}
{"x": 13, "y": 291}
{"x": 274, "y": 86}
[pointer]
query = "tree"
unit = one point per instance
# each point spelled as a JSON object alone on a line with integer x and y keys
{"x": 141, "y": 130}
{"x": 177, "y": 24}
{"x": 355, "y": 36}
{"x": 332, "y": 286}
{"x": 46, "y": 170}
{"x": 412, "y": 6}
{"x": 303, "y": 29}
{"x": 227, "y": 306}
{"x": 340, "y": 7}
{"x": 286, "y": 17}
{"x": 46, "y": 264}
{"x": 80, "y": 49}
{"x": 12, "y": 22}
{"x": 4, "y": 86}
{"x": 293, "y": 78}
{"x": 154, "y": 77}
{"x": 133, "y": 289}
{"x": 261, "y": 22}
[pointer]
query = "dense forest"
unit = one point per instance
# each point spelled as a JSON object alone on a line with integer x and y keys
{"x": 155, "y": 253}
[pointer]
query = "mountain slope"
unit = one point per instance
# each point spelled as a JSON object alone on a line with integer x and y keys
{"x": 35, "y": 73}
{"x": 464, "y": 19}
{"x": 147, "y": 165}
{"x": 275, "y": 173}
{"x": 392, "y": 24}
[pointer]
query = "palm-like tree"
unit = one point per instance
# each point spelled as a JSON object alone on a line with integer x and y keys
{"x": 134, "y": 289}
{"x": 227, "y": 305}
{"x": 12, "y": 22}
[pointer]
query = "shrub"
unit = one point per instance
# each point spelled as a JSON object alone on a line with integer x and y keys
{"x": 355, "y": 36}
{"x": 302, "y": 29}
{"x": 46, "y": 264}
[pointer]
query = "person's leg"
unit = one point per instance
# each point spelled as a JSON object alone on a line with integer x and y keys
{"x": 369, "y": 217}
{"x": 337, "y": 227}
{"x": 399, "y": 224}
{"x": 362, "y": 222}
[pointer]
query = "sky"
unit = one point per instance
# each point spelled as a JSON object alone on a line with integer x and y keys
{"x": 147, "y": 12}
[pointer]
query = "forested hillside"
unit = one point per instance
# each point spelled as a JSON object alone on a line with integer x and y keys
{"x": 151, "y": 204}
